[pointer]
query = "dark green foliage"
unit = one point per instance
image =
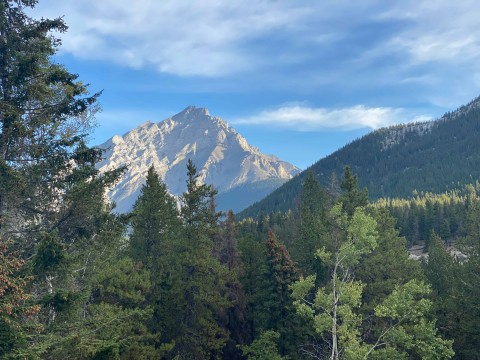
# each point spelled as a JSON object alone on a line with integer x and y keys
{"x": 50, "y": 254}
{"x": 352, "y": 197}
{"x": 388, "y": 264}
{"x": 235, "y": 318}
{"x": 14, "y": 308}
{"x": 393, "y": 162}
{"x": 154, "y": 245}
{"x": 455, "y": 284}
{"x": 252, "y": 256}
{"x": 199, "y": 279}
{"x": 311, "y": 226}
{"x": 275, "y": 307}
{"x": 198, "y": 210}
{"x": 154, "y": 222}
{"x": 44, "y": 111}
{"x": 51, "y": 195}
{"x": 263, "y": 348}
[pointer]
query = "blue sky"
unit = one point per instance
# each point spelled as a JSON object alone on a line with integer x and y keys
{"x": 298, "y": 79}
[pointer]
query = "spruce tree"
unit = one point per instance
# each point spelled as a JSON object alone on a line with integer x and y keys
{"x": 51, "y": 196}
{"x": 311, "y": 224}
{"x": 155, "y": 221}
{"x": 154, "y": 245}
{"x": 202, "y": 285}
{"x": 44, "y": 113}
{"x": 276, "y": 311}
{"x": 352, "y": 197}
{"x": 235, "y": 318}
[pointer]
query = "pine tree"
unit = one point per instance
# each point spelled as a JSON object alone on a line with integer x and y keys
{"x": 311, "y": 225}
{"x": 254, "y": 268}
{"x": 275, "y": 308}
{"x": 352, "y": 197}
{"x": 51, "y": 196}
{"x": 202, "y": 285}
{"x": 44, "y": 111}
{"x": 154, "y": 245}
{"x": 155, "y": 221}
{"x": 234, "y": 319}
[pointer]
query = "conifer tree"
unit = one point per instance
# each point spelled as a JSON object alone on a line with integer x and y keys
{"x": 44, "y": 111}
{"x": 276, "y": 311}
{"x": 51, "y": 196}
{"x": 352, "y": 197}
{"x": 388, "y": 264}
{"x": 202, "y": 285}
{"x": 311, "y": 225}
{"x": 254, "y": 268}
{"x": 155, "y": 221}
{"x": 154, "y": 245}
{"x": 234, "y": 319}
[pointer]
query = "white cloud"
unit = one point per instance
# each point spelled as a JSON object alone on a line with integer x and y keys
{"x": 441, "y": 31}
{"x": 216, "y": 38}
{"x": 302, "y": 118}
{"x": 179, "y": 37}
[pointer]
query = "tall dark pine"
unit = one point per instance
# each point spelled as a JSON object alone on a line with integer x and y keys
{"x": 229, "y": 253}
{"x": 155, "y": 220}
{"x": 235, "y": 318}
{"x": 311, "y": 225}
{"x": 198, "y": 210}
{"x": 154, "y": 245}
{"x": 276, "y": 302}
{"x": 202, "y": 288}
{"x": 352, "y": 197}
{"x": 51, "y": 196}
{"x": 43, "y": 111}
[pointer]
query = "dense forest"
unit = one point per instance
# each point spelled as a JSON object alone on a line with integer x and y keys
{"x": 435, "y": 157}
{"x": 329, "y": 279}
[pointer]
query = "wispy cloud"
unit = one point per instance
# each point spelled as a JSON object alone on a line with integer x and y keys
{"x": 179, "y": 37}
{"x": 430, "y": 45}
{"x": 303, "y": 118}
{"x": 438, "y": 30}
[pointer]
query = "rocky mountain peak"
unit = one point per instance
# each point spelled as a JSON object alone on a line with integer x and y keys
{"x": 192, "y": 112}
{"x": 222, "y": 156}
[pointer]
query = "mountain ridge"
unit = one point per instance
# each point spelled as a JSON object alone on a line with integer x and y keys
{"x": 222, "y": 156}
{"x": 433, "y": 156}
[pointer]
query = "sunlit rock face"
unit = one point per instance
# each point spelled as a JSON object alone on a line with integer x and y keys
{"x": 222, "y": 156}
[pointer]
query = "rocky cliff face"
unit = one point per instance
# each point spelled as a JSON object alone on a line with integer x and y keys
{"x": 222, "y": 156}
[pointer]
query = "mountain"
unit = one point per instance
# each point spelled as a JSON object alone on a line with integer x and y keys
{"x": 434, "y": 156}
{"x": 222, "y": 156}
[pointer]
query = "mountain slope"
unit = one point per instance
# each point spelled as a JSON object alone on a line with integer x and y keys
{"x": 392, "y": 162}
{"x": 222, "y": 156}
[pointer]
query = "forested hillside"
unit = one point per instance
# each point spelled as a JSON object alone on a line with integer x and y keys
{"x": 393, "y": 162}
{"x": 331, "y": 279}
{"x": 445, "y": 214}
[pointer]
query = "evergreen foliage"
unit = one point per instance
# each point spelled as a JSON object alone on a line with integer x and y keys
{"x": 394, "y": 162}
{"x": 202, "y": 277}
{"x": 311, "y": 225}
